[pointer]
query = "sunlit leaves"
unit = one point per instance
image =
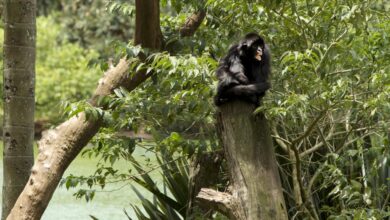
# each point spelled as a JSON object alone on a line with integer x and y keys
{"x": 124, "y": 8}
{"x": 134, "y": 51}
{"x": 91, "y": 112}
{"x": 111, "y": 148}
{"x": 62, "y": 72}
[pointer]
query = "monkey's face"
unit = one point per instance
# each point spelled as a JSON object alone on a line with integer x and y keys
{"x": 252, "y": 47}
{"x": 258, "y": 53}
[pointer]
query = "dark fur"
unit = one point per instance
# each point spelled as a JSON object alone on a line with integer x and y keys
{"x": 240, "y": 75}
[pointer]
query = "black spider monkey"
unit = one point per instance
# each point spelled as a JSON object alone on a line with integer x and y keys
{"x": 243, "y": 73}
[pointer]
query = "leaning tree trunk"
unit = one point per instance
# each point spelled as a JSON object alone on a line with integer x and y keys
{"x": 19, "y": 104}
{"x": 256, "y": 192}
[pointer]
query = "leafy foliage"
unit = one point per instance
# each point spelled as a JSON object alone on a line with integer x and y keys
{"x": 175, "y": 174}
{"x": 61, "y": 73}
{"x": 329, "y": 100}
{"x": 97, "y": 23}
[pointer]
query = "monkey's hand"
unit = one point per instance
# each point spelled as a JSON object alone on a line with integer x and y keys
{"x": 262, "y": 87}
{"x": 242, "y": 79}
{"x": 218, "y": 101}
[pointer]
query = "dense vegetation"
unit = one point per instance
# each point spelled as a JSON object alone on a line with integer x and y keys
{"x": 329, "y": 105}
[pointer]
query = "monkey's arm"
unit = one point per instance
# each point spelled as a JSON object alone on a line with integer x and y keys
{"x": 247, "y": 90}
{"x": 250, "y": 93}
{"x": 237, "y": 70}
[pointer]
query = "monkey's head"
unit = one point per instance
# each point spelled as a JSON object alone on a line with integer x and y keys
{"x": 252, "y": 47}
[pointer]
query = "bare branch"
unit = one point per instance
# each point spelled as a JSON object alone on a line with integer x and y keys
{"x": 281, "y": 141}
{"x": 319, "y": 145}
{"x": 310, "y": 128}
{"x": 305, "y": 199}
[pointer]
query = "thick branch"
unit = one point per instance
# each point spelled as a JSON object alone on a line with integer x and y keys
{"x": 219, "y": 201}
{"x": 192, "y": 23}
{"x": 57, "y": 148}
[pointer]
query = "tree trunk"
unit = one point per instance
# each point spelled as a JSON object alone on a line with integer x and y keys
{"x": 256, "y": 189}
{"x": 19, "y": 104}
{"x": 147, "y": 24}
{"x": 59, "y": 147}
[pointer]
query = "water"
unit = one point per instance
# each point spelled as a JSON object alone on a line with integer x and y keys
{"x": 107, "y": 205}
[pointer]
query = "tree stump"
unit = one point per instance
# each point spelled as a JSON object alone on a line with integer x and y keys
{"x": 256, "y": 189}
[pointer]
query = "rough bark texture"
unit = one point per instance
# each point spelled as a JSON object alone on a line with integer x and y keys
{"x": 247, "y": 141}
{"x": 147, "y": 24}
{"x": 19, "y": 104}
{"x": 60, "y": 146}
{"x": 57, "y": 149}
{"x": 222, "y": 202}
{"x": 201, "y": 168}
{"x": 192, "y": 23}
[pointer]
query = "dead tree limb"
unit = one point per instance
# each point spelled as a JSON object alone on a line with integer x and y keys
{"x": 219, "y": 201}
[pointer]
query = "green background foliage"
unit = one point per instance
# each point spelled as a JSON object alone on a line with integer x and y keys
{"x": 62, "y": 73}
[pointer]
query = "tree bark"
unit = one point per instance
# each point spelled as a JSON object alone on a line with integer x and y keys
{"x": 147, "y": 24}
{"x": 19, "y": 103}
{"x": 192, "y": 23}
{"x": 59, "y": 147}
{"x": 256, "y": 189}
{"x": 202, "y": 167}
